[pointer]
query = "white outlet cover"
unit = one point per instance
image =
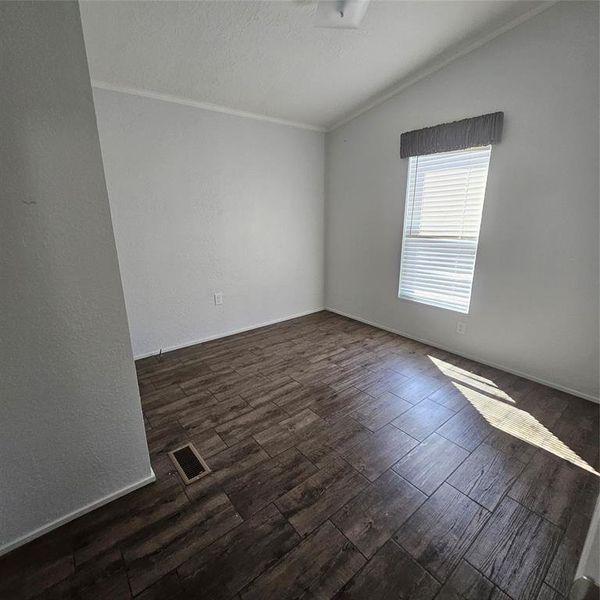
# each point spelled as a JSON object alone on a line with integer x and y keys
{"x": 218, "y": 298}
{"x": 461, "y": 327}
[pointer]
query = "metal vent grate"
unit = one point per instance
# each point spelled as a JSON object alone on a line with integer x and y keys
{"x": 189, "y": 463}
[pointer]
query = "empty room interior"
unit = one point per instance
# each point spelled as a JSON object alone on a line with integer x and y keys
{"x": 300, "y": 300}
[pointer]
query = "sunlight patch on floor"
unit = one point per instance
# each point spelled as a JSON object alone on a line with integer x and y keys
{"x": 499, "y": 409}
{"x": 474, "y": 385}
{"x": 526, "y": 427}
{"x": 452, "y": 370}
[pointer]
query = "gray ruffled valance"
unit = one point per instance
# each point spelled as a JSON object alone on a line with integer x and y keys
{"x": 467, "y": 133}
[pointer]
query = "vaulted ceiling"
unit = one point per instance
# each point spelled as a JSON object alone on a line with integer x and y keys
{"x": 268, "y": 58}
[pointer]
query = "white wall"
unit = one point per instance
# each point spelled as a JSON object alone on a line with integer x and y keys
{"x": 534, "y": 306}
{"x": 71, "y": 429}
{"x": 589, "y": 561}
{"x": 204, "y": 202}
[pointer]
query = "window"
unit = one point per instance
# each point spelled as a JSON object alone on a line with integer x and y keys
{"x": 444, "y": 201}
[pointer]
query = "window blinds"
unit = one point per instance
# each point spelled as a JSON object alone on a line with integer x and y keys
{"x": 444, "y": 202}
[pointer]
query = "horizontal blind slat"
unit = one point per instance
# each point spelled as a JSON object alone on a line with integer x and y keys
{"x": 442, "y": 218}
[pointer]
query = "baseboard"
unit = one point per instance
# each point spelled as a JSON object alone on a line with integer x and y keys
{"x": 228, "y": 333}
{"x": 551, "y": 384}
{"x": 32, "y": 535}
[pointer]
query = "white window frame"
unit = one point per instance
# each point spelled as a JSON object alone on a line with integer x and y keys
{"x": 418, "y": 281}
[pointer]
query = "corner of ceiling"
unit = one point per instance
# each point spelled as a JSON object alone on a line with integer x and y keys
{"x": 144, "y": 93}
{"x": 436, "y": 64}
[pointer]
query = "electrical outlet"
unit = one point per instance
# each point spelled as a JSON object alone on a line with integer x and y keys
{"x": 218, "y": 298}
{"x": 461, "y": 327}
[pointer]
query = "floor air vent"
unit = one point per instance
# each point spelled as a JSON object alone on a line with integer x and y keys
{"x": 189, "y": 463}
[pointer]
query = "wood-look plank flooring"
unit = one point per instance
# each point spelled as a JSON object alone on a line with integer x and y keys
{"x": 347, "y": 463}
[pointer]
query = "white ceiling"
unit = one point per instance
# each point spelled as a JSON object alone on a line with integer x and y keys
{"x": 267, "y": 58}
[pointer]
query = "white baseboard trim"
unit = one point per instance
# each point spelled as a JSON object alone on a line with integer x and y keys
{"x": 551, "y": 384}
{"x": 32, "y": 535}
{"x": 225, "y": 334}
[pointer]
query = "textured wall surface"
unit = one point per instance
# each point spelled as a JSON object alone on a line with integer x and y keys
{"x": 534, "y": 307}
{"x": 71, "y": 428}
{"x": 205, "y": 202}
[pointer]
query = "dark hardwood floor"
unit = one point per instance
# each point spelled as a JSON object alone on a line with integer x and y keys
{"x": 347, "y": 462}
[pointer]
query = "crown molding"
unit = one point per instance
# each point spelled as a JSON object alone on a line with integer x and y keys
{"x": 103, "y": 85}
{"x": 431, "y": 67}
{"x": 439, "y": 63}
